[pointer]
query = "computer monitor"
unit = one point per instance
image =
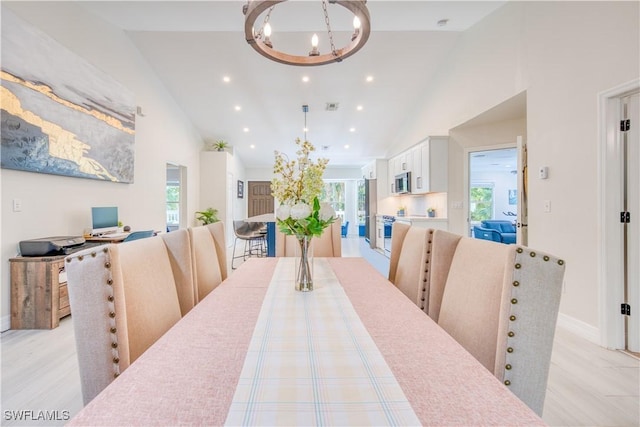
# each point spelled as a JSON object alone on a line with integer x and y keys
{"x": 104, "y": 220}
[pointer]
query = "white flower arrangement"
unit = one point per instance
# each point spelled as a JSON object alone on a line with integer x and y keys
{"x": 297, "y": 185}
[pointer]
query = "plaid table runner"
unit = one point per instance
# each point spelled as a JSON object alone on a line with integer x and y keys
{"x": 312, "y": 362}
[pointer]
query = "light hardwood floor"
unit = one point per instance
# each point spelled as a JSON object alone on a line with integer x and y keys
{"x": 588, "y": 385}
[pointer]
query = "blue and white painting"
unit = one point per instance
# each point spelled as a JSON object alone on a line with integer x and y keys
{"x": 59, "y": 114}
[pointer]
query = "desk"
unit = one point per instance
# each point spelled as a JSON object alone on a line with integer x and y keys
{"x": 189, "y": 376}
{"x": 270, "y": 220}
{"x": 107, "y": 239}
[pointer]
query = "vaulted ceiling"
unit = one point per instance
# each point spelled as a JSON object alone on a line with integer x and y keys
{"x": 193, "y": 45}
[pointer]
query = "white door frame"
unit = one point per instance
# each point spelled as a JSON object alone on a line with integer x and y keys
{"x": 610, "y": 270}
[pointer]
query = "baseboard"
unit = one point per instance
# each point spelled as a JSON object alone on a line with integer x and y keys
{"x": 5, "y": 323}
{"x": 580, "y": 328}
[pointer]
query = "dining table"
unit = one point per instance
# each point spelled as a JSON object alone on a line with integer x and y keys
{"x": 354, "y": 351}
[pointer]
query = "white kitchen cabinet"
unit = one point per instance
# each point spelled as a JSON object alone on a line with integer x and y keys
{"x": 430, "y": 166}
{"x": 377, "y": 170}
{"x": 379, "y": 232}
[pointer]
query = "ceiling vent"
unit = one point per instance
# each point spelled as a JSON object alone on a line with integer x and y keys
{"x": 324, "y": 147}
{"x": 332, "y": 106}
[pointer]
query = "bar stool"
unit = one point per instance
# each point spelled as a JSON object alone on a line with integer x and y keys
{"x": 254, "y": 236}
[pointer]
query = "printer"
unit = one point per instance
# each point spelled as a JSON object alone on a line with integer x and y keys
{"x": 58, "y": 245}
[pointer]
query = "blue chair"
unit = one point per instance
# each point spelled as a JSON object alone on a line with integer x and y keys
{"x": 138, "y": 235}
{"x": 345, "y": 229}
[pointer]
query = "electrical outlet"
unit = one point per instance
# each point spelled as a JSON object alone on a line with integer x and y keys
{"x": 457, "y": 205}
{"x": 17, "y": 205}
{"x": 547, "y": 205}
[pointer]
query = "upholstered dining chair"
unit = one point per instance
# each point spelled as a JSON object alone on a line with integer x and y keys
{"x": 500, "y": 302}
{"x": 207, "y": 272}
{"x": 329, "y": 244}
{"x": 178, "y": 246}
{"x": 123, "y": 298}
{"x": 409, "y": 262}
{"x": 219, "y": 238}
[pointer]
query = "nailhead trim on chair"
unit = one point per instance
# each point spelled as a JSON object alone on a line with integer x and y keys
{"x": 509, "y": 367}
{"x": 112, "y": 313}
{"x": 423, "y": 293}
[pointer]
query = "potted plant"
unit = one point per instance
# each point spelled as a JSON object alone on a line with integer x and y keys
{"x": 220, "y": 145}
{"x": 208, "y": 216}
{"x": 431, "y": 212}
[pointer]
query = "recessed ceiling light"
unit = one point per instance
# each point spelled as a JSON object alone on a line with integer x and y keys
{"x": 305, "y": 79}
{"x": 369, "y": 79}
{"x": 237, "y": 108}
{"x": 226, "y": 79}
{"x": 359, "y": 108}
{"x": 246, "y": 129}
{"x": 252, "y": 146}
{"x": 352, "y": 129}
{"x": 346, "y": 146}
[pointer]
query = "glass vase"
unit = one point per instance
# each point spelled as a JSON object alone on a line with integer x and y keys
{"x": 304, "y": 264}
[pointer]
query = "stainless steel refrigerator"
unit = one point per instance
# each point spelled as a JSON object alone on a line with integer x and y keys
{"x": 370, "y": 210}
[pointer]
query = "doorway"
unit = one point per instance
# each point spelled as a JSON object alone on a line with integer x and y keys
{"x": 492, "y": 186}
{"x": 619, "y": 182}
{"x": 176, "y": 196}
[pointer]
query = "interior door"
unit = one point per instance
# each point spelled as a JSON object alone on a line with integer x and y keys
{"x": 522, "y": 219}
{"x": 260, "y": 200}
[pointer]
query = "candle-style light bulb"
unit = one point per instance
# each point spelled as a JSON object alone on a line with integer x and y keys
{"x": 356, "y": 27}
{"x": 314, "y": 46}
{"x": 267, "y": 34}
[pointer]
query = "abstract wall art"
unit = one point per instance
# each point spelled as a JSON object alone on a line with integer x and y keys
{"x": 60, "y": 114}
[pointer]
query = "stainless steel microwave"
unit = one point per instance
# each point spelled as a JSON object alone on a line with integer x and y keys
{"x": 403, "y": 183}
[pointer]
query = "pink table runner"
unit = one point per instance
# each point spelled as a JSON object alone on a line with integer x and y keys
{"x": 190, "y": 375}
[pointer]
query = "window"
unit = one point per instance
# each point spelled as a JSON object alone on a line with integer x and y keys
{"x": 174, "y": 197}
{"x": 334, "y": 194}
{"x": 481, "y": 202}
{"x": 362, "y": 212}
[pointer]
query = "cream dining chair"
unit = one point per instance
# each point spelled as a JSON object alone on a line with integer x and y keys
{"x": 207, "y": 269}
{"x": 329, "y": 244}
{"x": 500, "y": 302}
{"x": 409, "y": 262}
{"x": 123, "y": 298}
{"x": 178, "y": 245}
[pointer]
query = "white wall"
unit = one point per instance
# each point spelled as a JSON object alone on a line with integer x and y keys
{"x": 562, "y": 54}
{"x": 56, "y": 205}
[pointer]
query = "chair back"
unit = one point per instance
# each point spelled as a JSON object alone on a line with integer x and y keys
{"x": 411, "y": 258}
{"x": 217, "y": 231}
{"x": 206, "y": 266}
{"x": 135, "y": 235}
{"x": 123, "y": 298}
{"x": 178, "y": 246}
{"x": 501, "y": 303}
{"x": 329, "y": 244}
{"x": 443, "y": 247}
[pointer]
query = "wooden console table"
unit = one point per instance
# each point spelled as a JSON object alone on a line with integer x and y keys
{"x": 39, "y": 297}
